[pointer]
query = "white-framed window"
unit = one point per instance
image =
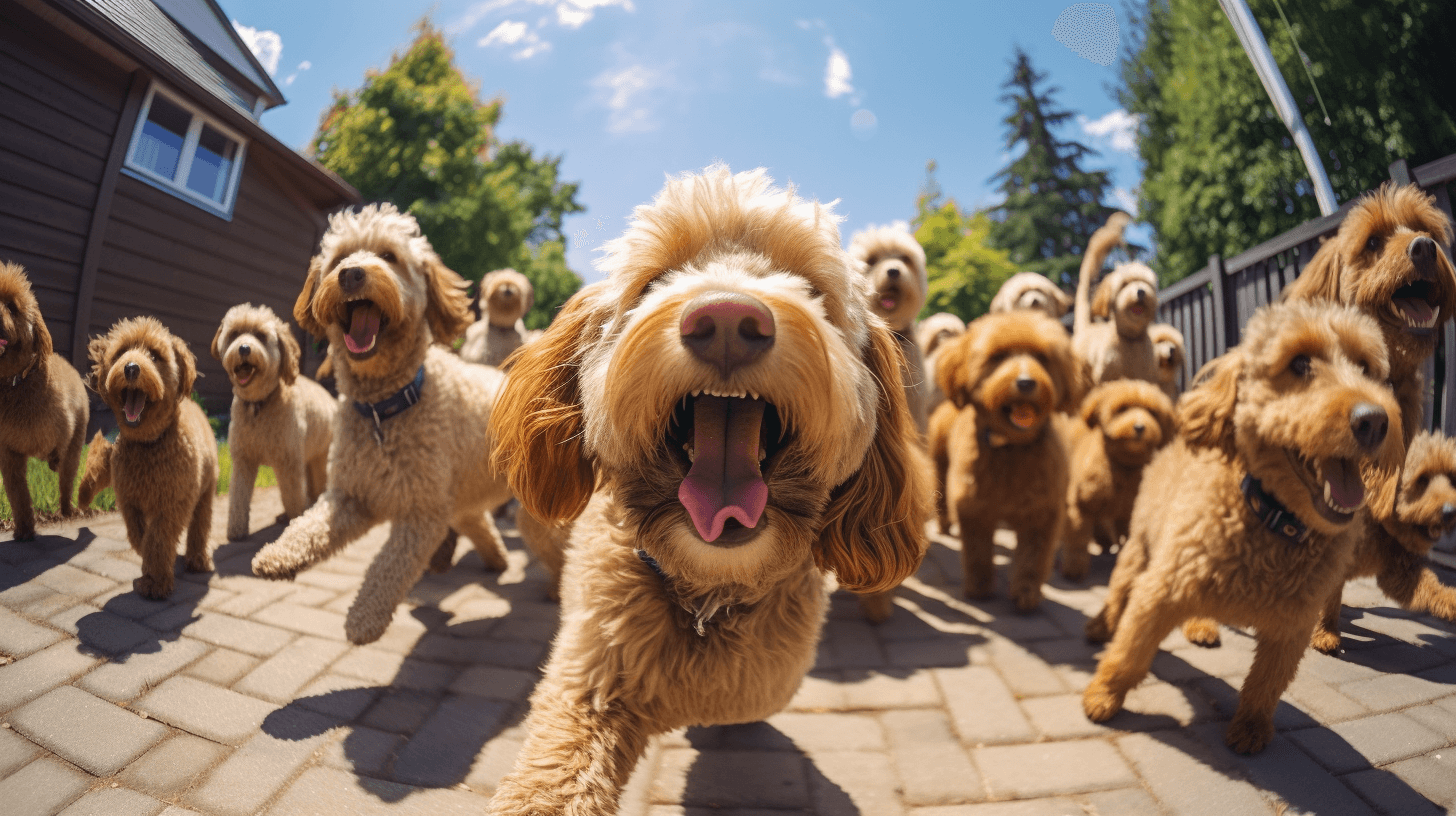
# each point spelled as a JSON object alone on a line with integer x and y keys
{"x": 182, "y": 150}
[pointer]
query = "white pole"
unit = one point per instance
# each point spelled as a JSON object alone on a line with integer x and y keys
{"x": 1258, "y": 50}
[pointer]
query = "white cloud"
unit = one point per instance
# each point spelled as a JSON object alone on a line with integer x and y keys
{"x": 837, "y": 75}
{"x": 507, "y": 33}
{"x": 1119, "y": 125}
{"x": 302, "y": 66}
{"x": 1125, "y": 200}
{"x": 623, "y": 92}
{"x": 267, "y": 46}
{"x": 569, "y": 13}
{"x": 573, "y": 13}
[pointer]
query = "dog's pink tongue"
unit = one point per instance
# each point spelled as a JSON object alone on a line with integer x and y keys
{"x": 1415, "y": 309}
{"x": 1346, "y": 487}
{"x": 133, "y": 404}
{"x": 363, "y": 326}
{"x": 724, "y": 481}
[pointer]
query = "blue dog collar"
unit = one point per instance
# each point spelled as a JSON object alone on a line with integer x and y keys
{"x": 393, "y": 405}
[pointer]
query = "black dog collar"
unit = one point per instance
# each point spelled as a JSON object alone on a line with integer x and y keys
{"x": 392, "y": 406}
{"x": 1274, "y": 516}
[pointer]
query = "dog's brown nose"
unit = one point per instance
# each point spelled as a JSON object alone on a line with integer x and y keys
{"x": 131, "y": 371}
{"x": 1369, "y": 423}
{"x": 1422, "y": 252}
{"x": 351, "y": 278}
{"x": 727, "y": 330}
{"x": 244, "y": 350}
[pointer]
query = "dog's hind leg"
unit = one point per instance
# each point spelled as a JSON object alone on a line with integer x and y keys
{"x": 481, "y": 530}
{"x": 70, "y": 464}
{"x": 240, "y": 497}
{"x": 318, "y": 477}
{"x": 17, "y": 490}
{"x": 1326, "y": 637}
{"x": 96, "y": 476}
{"x": 199, "y": 558}
{"x": 391, "y": 574}
{"x": 1132, "y": 559}
{"x": 1202, "y": 632}
{"x": 977, "y": 557}
{"x": 1277, "y": 652}
{"x": 333, "y": 522}
{"x": 1031, "y": 563}
{"x": 1408, "y": 581}
{"x": 293, "y": 487}
{"x": 1075, "y": 536}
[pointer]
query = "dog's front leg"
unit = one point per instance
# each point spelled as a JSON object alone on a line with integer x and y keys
{"x": 1407, "y": 580}
{"x": 159, "y": 555}
{"x": 334, "y": 521}
{"x": 292, "y": 487}
{"x": 70, "y": 465}
{"x": 977, "y": 554}
{"x": 1277, "y": 652}
{"x": 17, "y": 490}
{"x": 240, "y": 497}
{"x": 1326, "y": 636}
{"x": 396, "y": 568}
{"x": 1031, "y": 563}
{"x": 1148, "y": 619}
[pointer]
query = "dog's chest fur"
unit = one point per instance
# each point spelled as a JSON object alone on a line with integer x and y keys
{"x": 152, "y": 477}
{"x": 1000, "y": 477}
{"x": 39, "y": 414}
{"x": 294, "y": 424}
{"x": 1114, "y": 357}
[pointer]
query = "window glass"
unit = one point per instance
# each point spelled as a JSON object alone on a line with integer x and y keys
{"x": 160, "y": 146}
{"x": 212, "y": 164}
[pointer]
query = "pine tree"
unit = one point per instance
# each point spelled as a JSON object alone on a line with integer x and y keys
{"x": 1052, "y": 205}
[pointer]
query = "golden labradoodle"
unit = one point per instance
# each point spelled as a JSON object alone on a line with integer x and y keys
{"x": 1394, "y": 550}
{"x": 1110, "y": 329}
{"x": 164, "y": 463}
{"x": 1169, "y": 351}
{"x": 410, "y": 444}
{"x": 505, "y": 295}
{"x": 932, "y": 334}
{"x": 1248, "y": 517}
{"x": 1122, "y": 424}
{"x": 893, "y": 264}
{"x": 997, "y": 456}
{"x": 43, "y": 405}
{"x": 1030, "y": 290}
{"x": 279, "y": 418}
{"x": 725, "y": 419}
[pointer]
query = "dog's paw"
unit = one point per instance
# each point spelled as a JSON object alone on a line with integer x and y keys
{"x": 153, "y": 587}
{"x": 1026, "y": 599}
{"x": 1325, "y": 641}
{"x": 199, "y": 563}
{"x": 1248, "y": 736}
{"x": 1202, "y": 632}
{"x": 1099, "y": 702}
{"x": 270, "y": 565}
{"x": 237, "y": 533}
{"x": 1096, "y": 628}
{"x": 1072, "y": 572}
{"x": 360, "y": 631}
{"x": 25, "y": 533}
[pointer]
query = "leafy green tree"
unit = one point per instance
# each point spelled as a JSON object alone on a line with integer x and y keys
{"x": 417, "y": 134}
{"x": 963, "y": 269}
{"x": 1052, "y": 205}
{"x": 1221, "y": 173}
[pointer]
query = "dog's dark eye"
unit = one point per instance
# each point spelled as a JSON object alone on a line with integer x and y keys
{"x": 1374, "y": 244}
{"x": 153, "y": 354}
{"x": 387, "y": 257}
{"x": 1300, "y": 365}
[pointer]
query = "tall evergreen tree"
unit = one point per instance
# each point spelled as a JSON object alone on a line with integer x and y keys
{"x": 1052, "y": 205}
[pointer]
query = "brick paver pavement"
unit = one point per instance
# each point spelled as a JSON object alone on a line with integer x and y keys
{"x": 241, "y": 696}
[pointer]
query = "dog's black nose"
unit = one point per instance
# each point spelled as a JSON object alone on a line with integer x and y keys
{"x": 1448, "y": 514}
{"x": 893, "y": 271}
{"x": 1368, "y": 422}
{"x": 1422, "y": 252}
{"x": 131, "y": 371}
{"x": 727, "y": 330}
{"x": 244, "y": 350}
{"x": 351, "y": 278}
{"x": 1025, "y": 385}
{"x": 1138, "y": 428}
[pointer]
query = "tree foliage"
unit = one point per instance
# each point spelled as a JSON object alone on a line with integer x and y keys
{"x": 1221, "y": 172}
{"x": 963, "y": 269}
{"x": 417, "y": 134}
{"x": 1052, "y": 205}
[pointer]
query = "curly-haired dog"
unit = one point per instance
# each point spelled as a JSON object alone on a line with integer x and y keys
{"x": 933, "y": 333}
{"x": 410, "y": 444}
{"x": 506, "y": 296}
{"x": 1121, "y": 425}
{"x": 893, "y": 263}
{"x": 163, "y": 465}
{"x": 997, "y": 456}
{"x": 1030, "y": 290}
{"x": 279, "y": 418}
{"x": 43, "y": 406}
{"x": 1388, "y": 260}
{"x": 1394, "y": 551}
{"x": 1169, "y": 350}
{"x": 1248, "y": 517}
{"x": 1116, "y": 345}
{"x": 728, "y": 419}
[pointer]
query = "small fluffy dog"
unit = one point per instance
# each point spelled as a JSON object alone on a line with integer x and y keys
{"x": 1394, "y": 551}
{"x": 410, "y": 443}
{"x": 43, "y": 406}
{"x": 725, "y": 419}
{"x": 1030, "y": 290}
{"x": 893, "y": 263}
{"x": 1117, "y": 346}
{"x": 933, "y": 333}
{"x": 1122, "y": 424}
{"x": 279, "y": 418}
{"x": 164, "y": 463}
{"x": 506, "y": 295}
{"x": 1387, "y": 260}
{"x": 1249, "y": 517}
{"x": 997, "y": 456}
{"x": 1168, "y": 350}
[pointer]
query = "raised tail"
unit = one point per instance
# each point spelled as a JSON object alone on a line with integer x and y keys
{"x": 96, "y": 475}
{"x": 1103, "y": 240}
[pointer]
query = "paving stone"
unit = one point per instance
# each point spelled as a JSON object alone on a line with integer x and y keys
{"x": 337, "y": 696}
{"x": 104, "y": 633}
{"x": 441, "y": 752}
{"x": 932, "y": 652}
{"x": 1025, "y": 673}
{"x": 830, "y": 732}
{"x": 981, "y": 707}
{"x": 1439, "y": 719}
{"x": 1125, "y": 802}
{"x": 42, "y": 787}
{"x": 363, "y": 750}
{"x": 1287, "y": 716}
{"x": 49, "y": 605}
{"x": 1391, "y": 692}
{"x": 279, "y": 677}
{"x": 1052, "y": 768}
{"x": 851, "y": 783}
{"x": 240, "y": 635}
{"x": 19, "y": 637}
{"x": 1322, "y": 701}
{"x": 933, "y": 767}
{"x": 173, "y": 766}
{"x": 74, "y": 582}
{"x": 303, "y": 619}
{"x": 205, "y": 710}
{"x": 346, "y": 793}
{"x": 246, "y": 603}
{"x": 223, "y": 667}
{"x": 85, "y": 730}
{"x": 885, "y": 691}
{"x": 1033, "y": 807}
{"x": 15, "y": 751}
{"x": 535, "y": 630}
{"x": 1389, "y": 794}
{"x": 1288, "y": 773}
{"x": 1189, "y": 777}
{"x": 122, "y": 680}
{"x": 1432, "y": 778}
{"x": 22, "y": 596}
{"x": 29, "y": 678}
{"x": 510, "y": 653}
{"x": 400, "y": 710}
{"x": 722, "y": 779}
{"x": 820, "y": 691}
{"x": 260, "y": 768}
{"x": 126, "y": 603}
{"x": 495, "y": 683}
{"x": 114, "y": 802}
{"x": 851, "y": 644}
{"x": 174, "y": 810}
{"x": 174, "y": 618}
{"x": 1195, "y": 663}
{"x": 1359, "y": 744}
{"x": 496, "y": 760}
{"x": 1149, "y": 707}
{"x": 115, "y": 569}
{"x": 325, "y": 579}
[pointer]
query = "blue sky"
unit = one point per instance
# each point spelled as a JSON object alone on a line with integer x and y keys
{"x": 847, "y": 100}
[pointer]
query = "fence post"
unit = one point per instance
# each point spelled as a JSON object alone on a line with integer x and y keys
{"x": 1221, "y": 333}
{"x": 1400, "y": 172}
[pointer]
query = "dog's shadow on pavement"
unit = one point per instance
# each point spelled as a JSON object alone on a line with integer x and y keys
{"x": 26, "y": 559}
{"x": 754, "y": 765}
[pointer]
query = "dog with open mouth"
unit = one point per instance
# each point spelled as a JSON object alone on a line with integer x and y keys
{"x": 163, "y": 464}
{"x": 893, "y": 264}
{"x": 410, "y": 442}
{"x": 1249, "y": 516}
{"x": 1031, "y": 290}
{"x": 1110, "y": 327}
{"x": 43, "y": 405}
{"x": 279, "y": 418}
{"x": 725, "y": 420}
{"x": 505, "y": 296}
{"x": 998, "y": 457}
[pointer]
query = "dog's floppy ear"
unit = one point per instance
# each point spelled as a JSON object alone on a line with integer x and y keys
{"x": 289, "y": 353}
{"x": 874, "y": 532}
{"x": 951, "y": 372}
{"x": 531, "y": 297}
{"x": 186, "y": 367}
{"x": 96, "y": 350}
{"x": 40, "y": 338}
{"x": 1102, "y": 300}
{"x": 1320, "y": 278}
{"x": 448, "y": 308}
{"x": 1091, "y": 411}
{"x": 1062, "y": 299}
{"x": 303, "y": 307}
{"x": 537, "y": 419}
{"x": 1076, "y": 375}
{"x": 1206, "y": 411}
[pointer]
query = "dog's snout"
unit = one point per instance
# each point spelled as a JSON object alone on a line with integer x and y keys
{"x": 1422, "y": 252}
{"x": 351, "y": 278}
{"x": 892, "y": 271}
{"x": 1369, "y": 423}
{"x": 1138, "y": 428}
{"x": 244, "y": 350}
{"x": 132, "y": 370}
{"x": 727, "y": 330}
{"x": 1025, "y": 385}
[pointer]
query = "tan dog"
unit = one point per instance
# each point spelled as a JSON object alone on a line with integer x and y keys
{"x": 420, "y": 460}
{"x": 997, "y": 457}
{"x": 43, "y": 406}
{"x": 279, "y": 418}
{"x": 164, "y": 463}
{"x": 893, "y": 264}
{"x": 1118, "y": 345}
{"x": 1030, "y": 290}
{"x": 1170, "y": 352}
{"x": 728, "y": 419}
{"x": 1394, "y": 551}
{"x": 1295, "y": 409}
{"x": 934, "y": 332}
{"x": 1122, "y": 424}
{"x": 506, "y": 296}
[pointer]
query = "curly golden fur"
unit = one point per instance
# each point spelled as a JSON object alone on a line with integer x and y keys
{"x": 1110, "y": 329}
{"x": 1171, "y": 354}
{"x": 1297, "y": 406}
{"x": 43, "y": 406}
{"x": 893, "y": 264}
{"x": 506, "y": 296}
{"x": 1121, "y": 425}
{"x": 164, "y": 463}
{"x": 384, "y": 300}
{"x": 933, "y": 333}
{"x": 1030, "y": 290}
{"x": 279, "y": 418}
{"x": 607, "y": 419}
{"x": 997, "y": 456}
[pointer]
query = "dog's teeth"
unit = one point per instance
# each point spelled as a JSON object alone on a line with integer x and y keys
{"x": 762, "y": 454}
{"x": 753, "y": 394}
{"x": 692, "y": 452}
{"x": 698, "y": 393}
